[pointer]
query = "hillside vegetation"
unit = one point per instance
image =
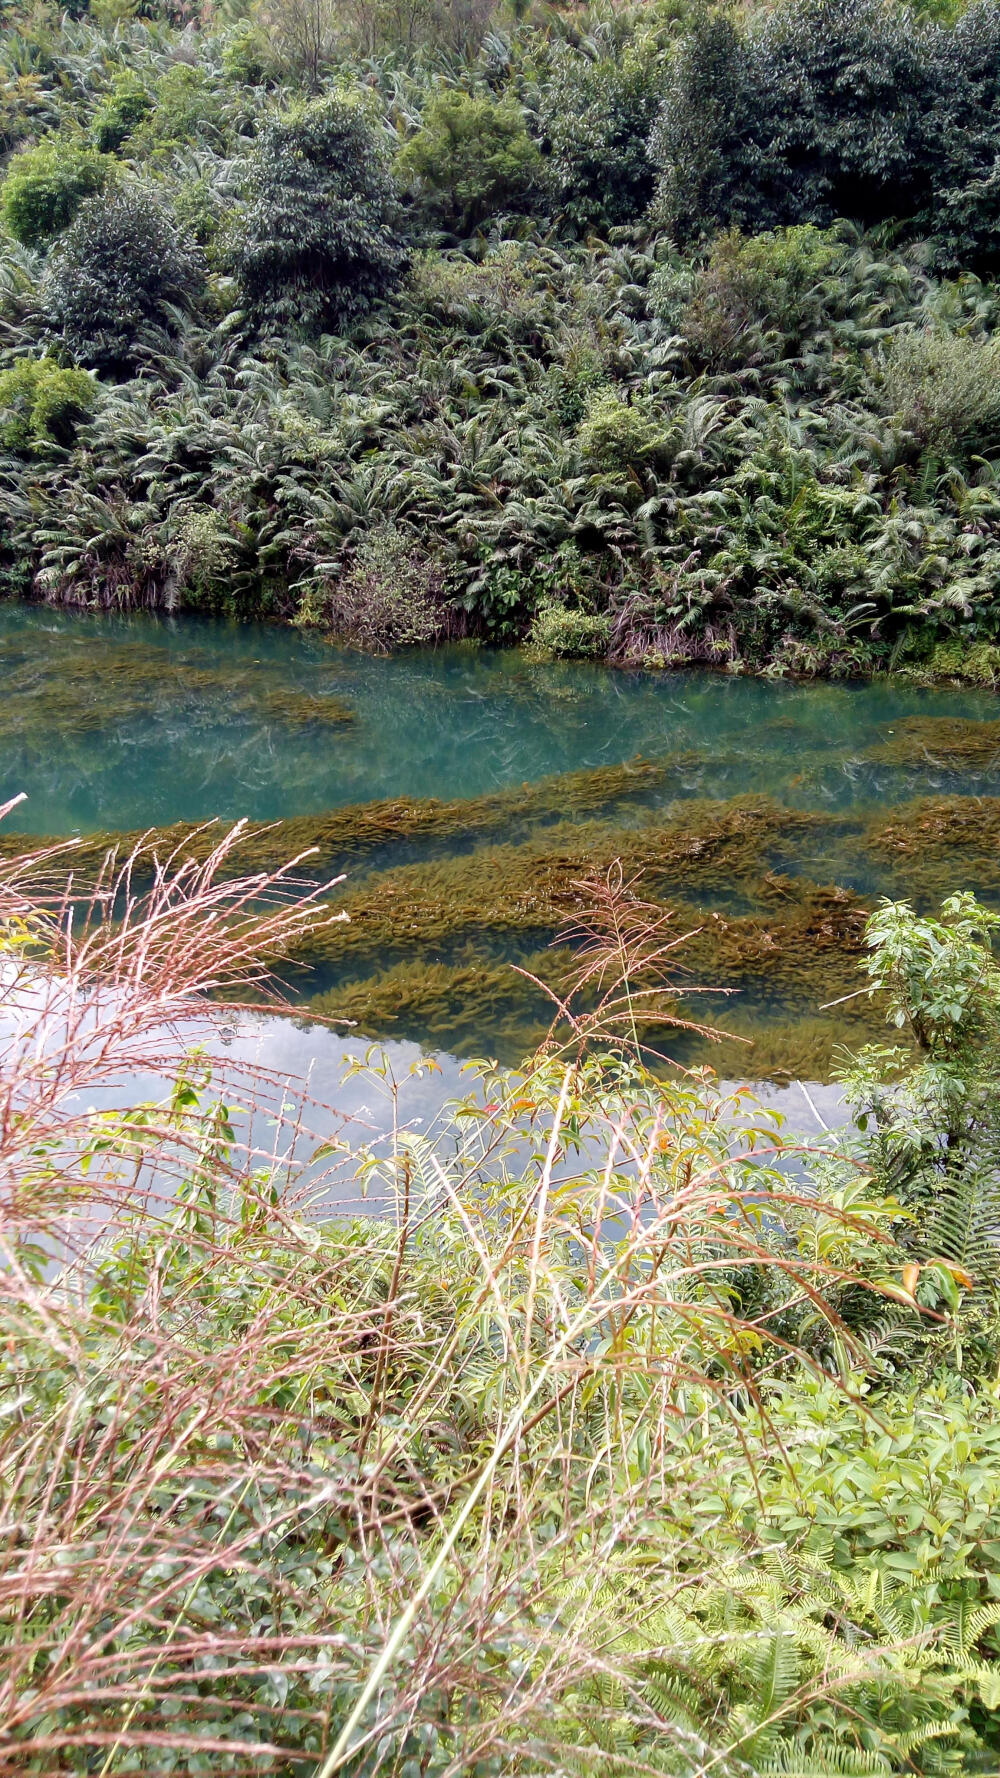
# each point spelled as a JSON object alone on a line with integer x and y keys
{"x": 657, "y": 333}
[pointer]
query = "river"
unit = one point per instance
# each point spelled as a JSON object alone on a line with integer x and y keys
{"x": 464, "y": 793}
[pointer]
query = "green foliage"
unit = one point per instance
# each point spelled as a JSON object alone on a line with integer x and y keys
{"x": 471, "y": 159}
{"x": 776, "y": 451}
{"x": 942, "y": 390}
{"x": 246, "y": 54}
{"x": 564, "y": 632}
{"x": 831, "y": 108}
{"x": 976, "y": 664}
{"x": 880, "y": 1595}
{"x": 930, "y": 1133}
{"x": 755, "y": 299}
{"x": 316, "y": 238}
{"x": 938, "y": 975}
{"x": 117, "y": 274}
{"x": 616, "y": 435}
{"x": 42, "y": 404}
{"x": 598, "y": 114}
{"x": 185, "y": 106}
{"x": 124, "y": 109}
{"x": 46, "y": 185}
{"x": 694, "y": 141}
{"x": 390, "y": 595}
{"x": 729, "y": 1499}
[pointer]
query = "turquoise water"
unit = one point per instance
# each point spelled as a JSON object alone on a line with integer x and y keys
{"x": 775, "y": 813}
{"x": 136, "y": 722}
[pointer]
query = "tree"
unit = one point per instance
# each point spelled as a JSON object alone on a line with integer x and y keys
{"x": 46, "y": 186}
{"x": 471, "y": 159}
{"x": 116, "y": 273}
{"x": 600, "y": 115}
{"x": 962, "y": 142}
{"x": 815, "y": 111}
{"x": 317, "y": 241}
{"x": 695, "y": 139}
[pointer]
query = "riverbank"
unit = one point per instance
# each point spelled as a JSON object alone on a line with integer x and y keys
{"x": 284, "y": 1485}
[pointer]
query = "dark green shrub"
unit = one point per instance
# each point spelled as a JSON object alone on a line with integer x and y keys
{"x": 814, "y": 111}
{"x": 116, "y": 273}
{"x": 471, "y": 159}
{"x": 598, "y": 117}
{"x": 697, "y": 136}
{"x": 963, "y": 140}
{"x": 46, "y": 185}
{"x": 41, "y": 404}
{"x": 828, "y": 108}
{"x": 124, "y": 109}
{"x": 317, "y": 241}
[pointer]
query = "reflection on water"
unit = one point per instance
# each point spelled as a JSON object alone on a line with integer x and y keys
{"x": 467, "y": 793}
{"x": 313, "y": 1087}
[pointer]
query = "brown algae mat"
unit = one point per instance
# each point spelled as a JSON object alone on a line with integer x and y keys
{"x": 444, "y": 898}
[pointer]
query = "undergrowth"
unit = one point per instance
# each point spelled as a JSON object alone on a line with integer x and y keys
{"x": 627, "y": 376}
{"x": 629, "y": 1433}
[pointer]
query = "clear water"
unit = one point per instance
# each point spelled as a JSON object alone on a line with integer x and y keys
{"x": 136, "y": 722}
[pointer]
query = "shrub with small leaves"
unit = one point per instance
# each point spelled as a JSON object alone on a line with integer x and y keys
{"x": 317, "y": 241}
{"x": 616, "y": 434}
{"x": 941, "y": 389}
{"x": 116, "y": 274}
{"x": 390, "y": 594}
{"x": 571, "y": 634}
{"x": 599, "y": 114}
{"x": 41, "y": 404}
{"x": 46, "y": 185}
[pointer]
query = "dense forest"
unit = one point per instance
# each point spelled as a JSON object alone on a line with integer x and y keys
{"x": 653, "y": 333}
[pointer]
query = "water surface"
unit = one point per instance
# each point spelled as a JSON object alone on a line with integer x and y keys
{"x": 134, "y": 722}
{"x": 769, "y": 814}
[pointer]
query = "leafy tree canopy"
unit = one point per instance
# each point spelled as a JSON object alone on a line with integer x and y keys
{"x": 470, "y": 159}
{"x": 117, "y": 272}
{"x": 317, "y": 240}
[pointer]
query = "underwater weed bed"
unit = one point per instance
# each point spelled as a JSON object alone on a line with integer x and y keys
{"x": 464, "y": 794}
